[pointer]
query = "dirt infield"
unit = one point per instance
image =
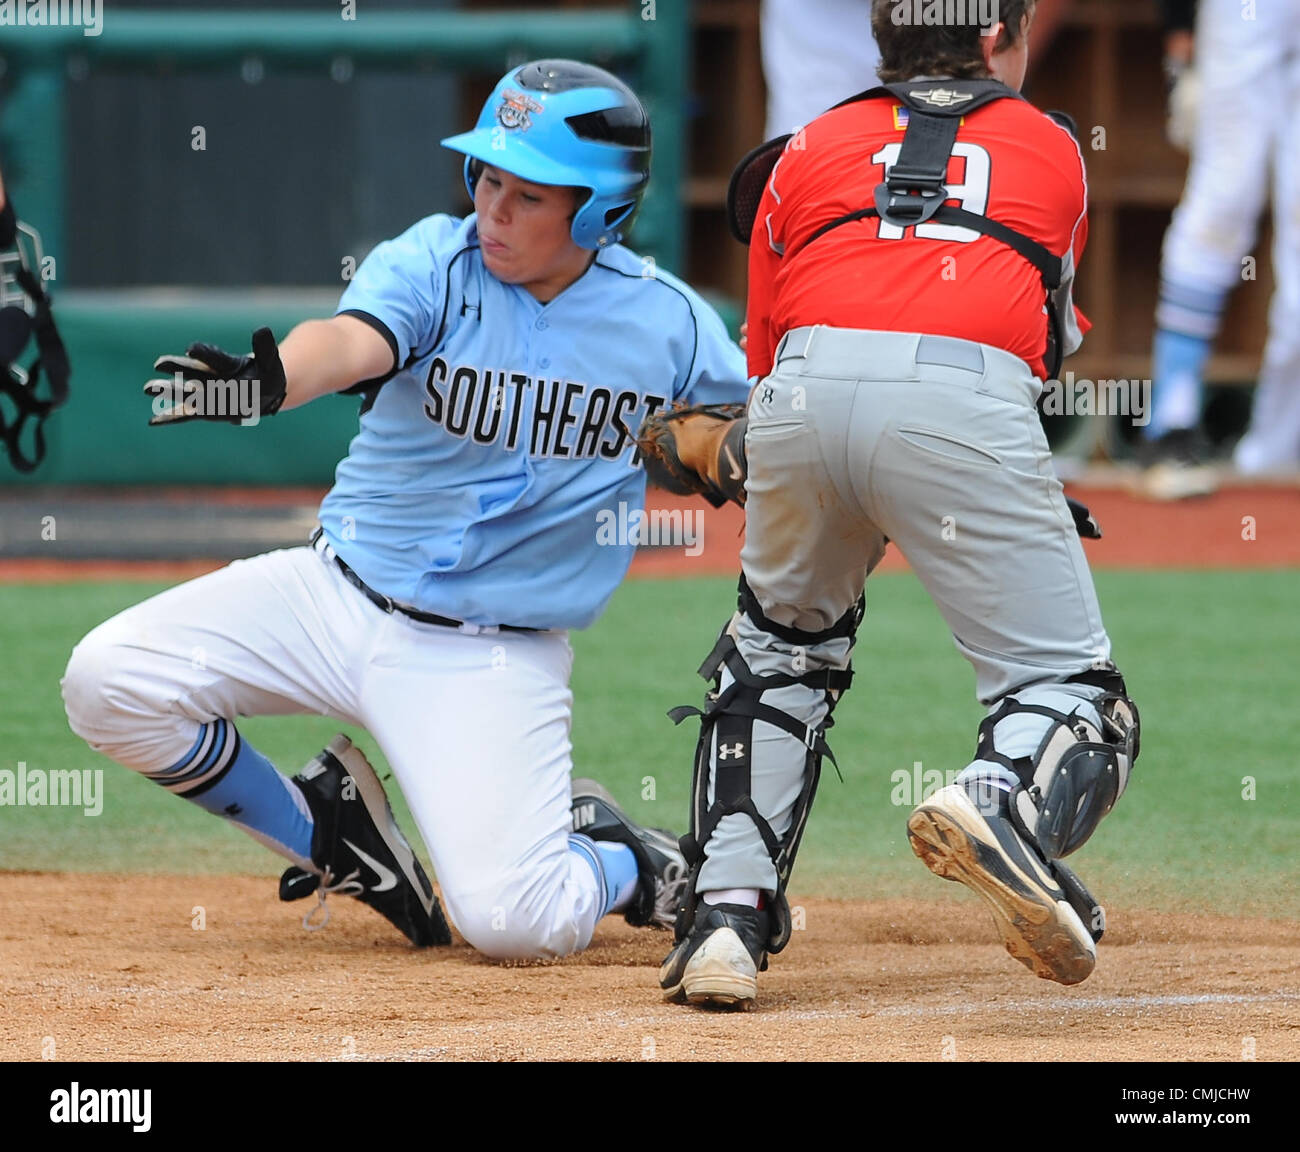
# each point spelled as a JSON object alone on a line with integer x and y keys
{"x": 114, "y": 968}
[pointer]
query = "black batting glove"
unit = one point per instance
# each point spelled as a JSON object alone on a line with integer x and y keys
{"x": 209, "y": 384}
{"x": 1085, "y": 523}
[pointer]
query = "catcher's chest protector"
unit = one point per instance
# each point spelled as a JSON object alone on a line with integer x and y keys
{"x": 914, "y": 189}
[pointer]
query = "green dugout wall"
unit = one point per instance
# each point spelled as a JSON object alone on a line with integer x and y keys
{"x": 101, "y": 437}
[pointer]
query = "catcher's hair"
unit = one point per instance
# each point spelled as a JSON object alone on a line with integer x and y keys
{"x": 941, "y": 37}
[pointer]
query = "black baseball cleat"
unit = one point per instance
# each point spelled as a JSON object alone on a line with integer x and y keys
{"x": 661, "y": 868}
{"x": 719, "y": 960}
{"x": 965, "y": 833}
{"x": 1177, "y": 466}
{"x": 359, "y": 848}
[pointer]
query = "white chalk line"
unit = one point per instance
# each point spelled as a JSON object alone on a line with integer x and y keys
{"x": 488, "y": 1029}
{"x": 1059, "y": 1004}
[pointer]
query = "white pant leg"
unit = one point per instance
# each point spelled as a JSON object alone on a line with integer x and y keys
{"x": 476, "y": 729}
{"x": 1242, "y": 104}
{"x": 1273, "y": 439}
{"x": 274, "y": 634}
{"x": 815, "y": 54}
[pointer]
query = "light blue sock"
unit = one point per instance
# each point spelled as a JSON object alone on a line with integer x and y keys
{"x": 615, "y": 869}
{"x": 621, "y": 873}
{"x": 225, "y": 775}
{"x": 1177, "y": 372}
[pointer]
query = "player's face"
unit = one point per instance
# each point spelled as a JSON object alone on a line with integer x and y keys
{"x": 524, "y": 234}
{"x": 1009, "y": 64}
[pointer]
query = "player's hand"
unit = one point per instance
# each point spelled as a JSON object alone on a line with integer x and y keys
{"x": 1085, "y": 523}
{"x": 210, "y": 384}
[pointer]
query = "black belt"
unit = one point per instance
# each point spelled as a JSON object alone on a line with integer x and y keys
{"x": 379, "y": 600}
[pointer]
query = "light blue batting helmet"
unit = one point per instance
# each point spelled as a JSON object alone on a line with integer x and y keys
{"x": 569, "y": 123}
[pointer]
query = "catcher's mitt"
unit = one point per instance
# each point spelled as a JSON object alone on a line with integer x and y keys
{"x": 697, "y": 450}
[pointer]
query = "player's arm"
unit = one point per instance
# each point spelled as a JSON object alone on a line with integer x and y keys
{"x": 764, "y": 263}
{"x": 386, "y": 309}
{"x": 1074, "y": 324}
{"x": 325, "y": 356}
{"x": 316, "y": 358}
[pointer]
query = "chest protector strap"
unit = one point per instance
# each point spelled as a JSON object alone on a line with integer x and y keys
{"x": 914, "y": 189}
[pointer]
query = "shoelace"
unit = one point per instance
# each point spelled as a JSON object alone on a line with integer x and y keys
{"x": 349, "y": 885}
{"x": 668, "y": 892}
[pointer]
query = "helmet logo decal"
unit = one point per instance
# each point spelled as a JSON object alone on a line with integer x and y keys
{"x": 516, "y": 109}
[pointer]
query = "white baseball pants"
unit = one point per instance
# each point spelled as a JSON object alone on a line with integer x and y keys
{"x": 475, "y": 727}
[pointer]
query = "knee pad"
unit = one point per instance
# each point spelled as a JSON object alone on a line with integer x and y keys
{"x": 1077, "y": 773}
{"x": 732, "y": 712}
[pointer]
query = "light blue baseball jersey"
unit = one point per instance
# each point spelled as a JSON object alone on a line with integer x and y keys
{"x": 485, "y": 466}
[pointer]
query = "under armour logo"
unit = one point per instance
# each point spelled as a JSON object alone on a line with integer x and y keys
{"x": 737, "y": 750}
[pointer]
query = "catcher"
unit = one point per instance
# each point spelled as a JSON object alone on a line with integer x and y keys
{"x": 893, "y": 403}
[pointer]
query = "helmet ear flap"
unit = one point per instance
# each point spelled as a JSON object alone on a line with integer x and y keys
{"x": 616, "y": 215}
{"x": 473, "y": 170}
{"x": 598, "y": 224}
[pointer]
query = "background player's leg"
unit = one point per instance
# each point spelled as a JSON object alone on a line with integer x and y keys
{"x": 476, "y": 729}
{"x": 1214, "y": 225}
{"x": 158, "y": 686}
{"x": 1273, "y": 439}
{"x": 814, "y": 56}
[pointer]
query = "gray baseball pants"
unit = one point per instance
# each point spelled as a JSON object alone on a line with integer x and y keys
{"x": 859, "y": 438}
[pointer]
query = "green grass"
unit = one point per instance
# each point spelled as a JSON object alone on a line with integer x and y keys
{"x": 1209, "y": 656}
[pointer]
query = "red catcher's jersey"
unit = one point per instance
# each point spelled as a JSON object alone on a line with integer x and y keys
{"x": 1011, "y": 163}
